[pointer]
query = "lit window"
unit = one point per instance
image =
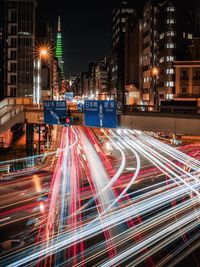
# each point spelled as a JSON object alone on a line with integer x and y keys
{"x": 170, "y": 33}
{"x": 170, "y": 58}
{"x": 169, "y": 96}
{"x": 162, "y": 35}
{"x": 145, "y": 24}
{"x": 161, "y": 59}
{"x": 184, "y": 34}
{"x": 170, "y": 45}
{"x": 170, "y": 21}
{"x": 169, "y": 83}
{"x": 169, "y": 71}
{"x": 190, "y": 36}
{"x": 170, "y": 9}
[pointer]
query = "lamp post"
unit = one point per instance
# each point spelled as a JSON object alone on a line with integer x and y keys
{"x": 43, "y": 52}
{"x": 155, "y": 73}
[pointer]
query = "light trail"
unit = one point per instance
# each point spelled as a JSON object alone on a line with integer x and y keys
{"x": 162, "y": 222}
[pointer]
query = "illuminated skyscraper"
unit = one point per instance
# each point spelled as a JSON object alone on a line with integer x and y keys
{"x": 59, "y": 51}
{"x": 19, "y": 47}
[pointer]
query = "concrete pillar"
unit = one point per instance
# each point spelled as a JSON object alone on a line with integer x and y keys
{"x": 30, "y": 139}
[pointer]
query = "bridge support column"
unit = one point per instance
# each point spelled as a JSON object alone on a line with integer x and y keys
{"x": 30, "y": 139}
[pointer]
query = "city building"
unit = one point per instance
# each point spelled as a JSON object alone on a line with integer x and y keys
{"x": 120, "y": 15}
{"x": 102, "y": 79}
{"x": 133, "y": 65}
{"x": 168, "y": 28}
{"x": 43, "y": 65}
{"x": 84, "y": 84}
{"x": 187, "y": 79}
{"x": 1, "y": 65}
{"x": 19, "y": 47}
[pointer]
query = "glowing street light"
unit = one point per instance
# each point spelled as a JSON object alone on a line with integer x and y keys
{"x": 155, "y": 73}
{"x": 42, "y": 52}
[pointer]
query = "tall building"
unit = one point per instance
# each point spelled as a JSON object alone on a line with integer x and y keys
{"x": 1, "y": 65}
{"x": 59, "y": 50}
{"x": 43, "y": 78}
{"x": 120, "y": 15}
{"x": 168, "y": 29}
{"x": 19, "y": 47}
{"x": 102, "y": 79}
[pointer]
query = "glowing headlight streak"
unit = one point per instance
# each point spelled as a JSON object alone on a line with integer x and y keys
{"x": 108, "y": 223}
{"x": 138, "y": 145}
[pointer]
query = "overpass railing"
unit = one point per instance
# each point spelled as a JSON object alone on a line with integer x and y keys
{"x": 162, "y": 109}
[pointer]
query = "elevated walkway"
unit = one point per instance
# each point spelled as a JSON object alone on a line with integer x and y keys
{"x": 22, "y": 110}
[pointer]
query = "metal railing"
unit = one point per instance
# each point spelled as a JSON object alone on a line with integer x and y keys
{"x": 10, "y": 113}
{"x": 162, "y": 108}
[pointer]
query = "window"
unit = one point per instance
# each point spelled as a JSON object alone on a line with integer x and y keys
{"x": 170, "y": 33}
{"x": 146, "y": 79}
{"x": 184, "y": 34}
{"x": 170, "y": 9}
{"x": 170, "y": 45}
{"x": 162, "y": 35}
{"x": 13, "y": 79}
{"x": 13, "y": 91}
{"x": 13, "y": 67}
{"x": 196, "y": 74}
{"x": 169, "y": 71}
{"x": 13, "y": 42}
{"x": 13, "y": 30}
{"x": 184, "y": 74}
{"x": 169, "y": 83}
{"x": 170, "y": 21}
{"x": 169, "y": 96}
{"x": 184, "y": 90}
{"x": 161, "y": 60}
{"x": 190, "y": 36}
{"x": 13, "y": 54}
{"x": 170, "y": 58}
{"x": 146, "y": 56}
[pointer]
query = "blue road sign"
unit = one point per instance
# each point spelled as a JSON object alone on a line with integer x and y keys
{"x": 101, "y": 113}
{"x": 54, "y": 111}
{"x": 69, "y": 96}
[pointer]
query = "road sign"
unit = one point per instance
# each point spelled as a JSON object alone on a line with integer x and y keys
{"x": 54, "y": 111}
{"x": 101, "y": 113}
{"x": 69, "y": 96}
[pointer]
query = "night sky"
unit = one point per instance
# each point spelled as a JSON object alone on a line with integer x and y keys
{"x": 86, "y": 29}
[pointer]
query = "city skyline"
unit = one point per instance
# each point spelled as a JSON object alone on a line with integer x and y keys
{"x": 86, "y": 30}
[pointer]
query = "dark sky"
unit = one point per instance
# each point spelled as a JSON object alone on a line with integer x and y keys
{"x": 86, "y": 29}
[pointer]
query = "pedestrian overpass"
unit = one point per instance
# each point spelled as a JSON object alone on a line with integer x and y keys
{"x": 22, "y": 110}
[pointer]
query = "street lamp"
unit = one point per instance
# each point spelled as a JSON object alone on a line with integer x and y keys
{"x": 43, "y": 52}
{"x": 155, "y": 73}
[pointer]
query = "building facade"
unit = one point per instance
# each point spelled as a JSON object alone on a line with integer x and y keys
{"x": 187, "y": 79}
{"x": 19, "y": 47}
{"x": 120, "y": 15}
{"x": 102, "y": 79}
{"x": 168, "y": 28}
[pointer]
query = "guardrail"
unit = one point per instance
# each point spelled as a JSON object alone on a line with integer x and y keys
{"x": 162, "y": 108}
{"x": 10, "y": 114}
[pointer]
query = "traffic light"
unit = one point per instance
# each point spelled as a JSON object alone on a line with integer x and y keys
{"x": 67, "y": 121}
